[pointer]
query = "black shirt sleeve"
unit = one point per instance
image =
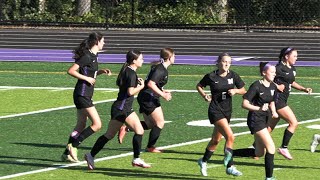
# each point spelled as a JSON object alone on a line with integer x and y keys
{"x": 251, "y": 93}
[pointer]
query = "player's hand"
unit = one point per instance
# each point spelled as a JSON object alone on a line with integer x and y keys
{"x": 265, "y": 107}
{"x": 140, "y": 82}
{"x": 275, "y": 115}
{"x": 91, "y": 80}
{"x": 308, "y": 90}
{"x": 208, "y": 97}
{"x": 231, "y": 92}
{"x": 167, "y": 95}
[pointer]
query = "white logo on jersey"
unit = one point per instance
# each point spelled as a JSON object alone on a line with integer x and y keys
{"x": 294, "y": 73}
{"x": 261, "y": 93}
{"x": 287, "y": 73}
{"x": 216, "y": 82}
{"x": 272, "y": 92}
{"x": 230, "y": 81}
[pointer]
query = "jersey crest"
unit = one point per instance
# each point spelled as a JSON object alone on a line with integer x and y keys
{"x": 230, "y": 81}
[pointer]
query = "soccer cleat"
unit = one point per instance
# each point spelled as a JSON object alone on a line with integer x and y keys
{"x": 285, "y": 153}
{"x": 315, "y": 142}
{"x": 73, "y": 152}
{"x": 140, "y": 163}
{"x": 227, "y": 158}
{"x": 122, "y": 132}
{"x": 67, "y": 158}
{"x": 154, "y": 150}
{"x": 232, "y": 170}
{"x": 271, "y": 178}
{"x": 90, "y": 161}
{"x": 203, "y": 167}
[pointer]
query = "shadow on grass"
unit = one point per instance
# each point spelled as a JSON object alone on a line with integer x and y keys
{"x": 142, "y": 174}
{"x": 64, "y": 146}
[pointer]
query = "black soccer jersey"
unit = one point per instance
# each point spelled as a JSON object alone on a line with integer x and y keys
{"x": 159, "y": 75}
{"x": 258, "y": 94}
{"x": 129, "y": 79}
{"x": 219, "y": 87}
{"x": 88, "y": 66}
{"x": 285, "y": 76}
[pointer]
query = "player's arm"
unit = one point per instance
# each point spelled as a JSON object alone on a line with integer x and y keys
{"x": 301, "y": 88}
{"x": 165, "y": 94}
{"x": 73, "y": 71}
{"x": 200, "y": 90}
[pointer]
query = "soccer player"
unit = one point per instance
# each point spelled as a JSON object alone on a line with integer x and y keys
{"x": 122, "y": 112}
{"x": 224, "y": 84}
{"x": 285, "y": 80}
{"x": 149, "y": 99}
{"x": 85, "y": 69}
{"x": 259, "y": 100}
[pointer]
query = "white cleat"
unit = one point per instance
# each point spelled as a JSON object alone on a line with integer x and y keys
{"x": 203, "y": 167}
{"x": 315, "y": 142}
{"x": 140, "y": 163}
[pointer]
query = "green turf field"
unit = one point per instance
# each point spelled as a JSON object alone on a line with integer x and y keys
{"x": 37, "y": 115}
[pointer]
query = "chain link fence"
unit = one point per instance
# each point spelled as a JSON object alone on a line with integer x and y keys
{"x": 195, "y": 14}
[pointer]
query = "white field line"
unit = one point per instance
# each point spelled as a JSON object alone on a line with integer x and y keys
{"x": 50, "y": 109}
{"x": 130, "y": 153}
{"x": 115, "y": 89}
{"x": 99, "y": 89}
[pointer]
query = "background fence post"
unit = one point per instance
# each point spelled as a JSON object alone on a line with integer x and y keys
{"x": 132, "y": 12}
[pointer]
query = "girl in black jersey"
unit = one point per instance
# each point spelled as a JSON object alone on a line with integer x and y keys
{"x": 122, "y": 112}
{"x": 223, "y": 83}
{"x": 259, "y": 100}
{"x": 149, "y": 99}
{"x": 85, "y": 69}
{"x": 285, "y": 79}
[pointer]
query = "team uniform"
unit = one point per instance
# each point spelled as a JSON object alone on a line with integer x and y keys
{"x": 258, "y": 95}
{"x": 221, "y": 103}
{"x": 83, "y": 92}
{"x": 148, "y": 100}
{"x": 122, "y": 107}
{"x": 285, "y": 76}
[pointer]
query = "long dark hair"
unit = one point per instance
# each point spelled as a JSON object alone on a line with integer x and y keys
{"x": 165, "y": 54}
{"x": 131, "y": 55}
{"x": 86, "y": 44}
{"x": 284, "y": 52}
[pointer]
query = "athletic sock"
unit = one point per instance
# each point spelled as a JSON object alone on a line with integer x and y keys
{"x": 268, "y": 164}
{"x": 230, "y": 163}
{"x": 245, "y": 152}
{"x": 207, "y": 155}
{"x": 100, "y": 143}
{"x": 136, "y": 143}
{"x": 286, "y": 138}
{"x": 154, "y": 136}
{"x": 84, "y": 134}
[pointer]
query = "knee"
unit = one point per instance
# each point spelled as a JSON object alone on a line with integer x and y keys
{"x": 214, "y": 142}
{"x": 96, "y": 126}
{"x": 139, "y": 131}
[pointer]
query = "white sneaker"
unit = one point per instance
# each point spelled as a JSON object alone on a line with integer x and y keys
{"x": 140, "y": 163}
{"x": 203, "y": 167}
{"x": 285, "y": 153}
{"x": 232, "y": 170}
{"x": 90, "y": 161}
{"x": 315, "y": 142}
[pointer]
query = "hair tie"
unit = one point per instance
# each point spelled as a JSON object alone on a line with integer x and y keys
{"x": 161, "y": 60}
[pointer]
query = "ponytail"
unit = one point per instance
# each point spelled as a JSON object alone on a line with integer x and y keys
{"x": 86, "y": 44}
